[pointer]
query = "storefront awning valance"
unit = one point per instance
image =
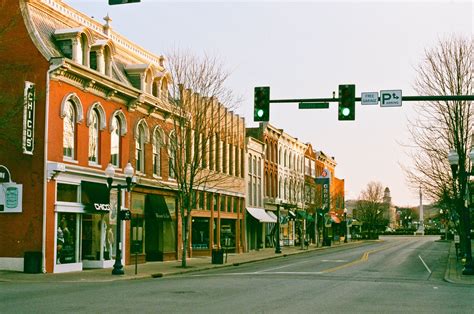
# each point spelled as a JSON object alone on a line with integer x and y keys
{"x": 271, "y": 214}
{"x": 95, "y": 197}
{"x": 260, "y": 214}
{"x": 301, "y": 214}
{"x": 156, "y": 205}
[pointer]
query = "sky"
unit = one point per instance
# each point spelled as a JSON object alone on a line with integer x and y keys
{"x": 305, "y": 49}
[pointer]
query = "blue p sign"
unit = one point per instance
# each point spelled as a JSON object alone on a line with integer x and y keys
{"x": 390, "y": 98}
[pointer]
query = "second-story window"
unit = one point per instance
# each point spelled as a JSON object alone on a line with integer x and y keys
{"x": 157, "y": 140}
{"x": 115, "y": 142}
{"x": 140, "y": 149}
{"x": 172, "y": 156}
{"x": 94, "y": 137}
{"x": 69, "y": 133}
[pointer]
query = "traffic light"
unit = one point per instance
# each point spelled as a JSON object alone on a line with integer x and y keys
{"x": 112, "y": 2}
{"x": 346, "y": 102}
{"x": 261, "y": 104}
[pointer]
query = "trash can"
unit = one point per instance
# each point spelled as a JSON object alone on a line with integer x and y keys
{"x": 217, "y": 256}
{"x": 32, "y": 262}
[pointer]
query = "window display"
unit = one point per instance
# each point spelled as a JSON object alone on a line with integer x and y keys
{"x": 98, "y": 237}
{"x": 66, "y": 241}
{"x": 200, "y": 233}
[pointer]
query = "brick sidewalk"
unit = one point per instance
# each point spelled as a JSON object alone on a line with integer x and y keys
{"x": 454, "y": 269}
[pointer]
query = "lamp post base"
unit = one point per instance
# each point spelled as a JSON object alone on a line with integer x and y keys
{"x": 468, "y": 270}
{"x": 277, "y": 250}
{"x": 118, "y": 271}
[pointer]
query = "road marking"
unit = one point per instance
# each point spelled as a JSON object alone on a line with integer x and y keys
{"x": 427, "y": 268}
{"x": 363, "y": 258}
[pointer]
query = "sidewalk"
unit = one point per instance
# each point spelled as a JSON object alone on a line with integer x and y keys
{"x": 159, "y": 269}
{"x": 454, "y": 269}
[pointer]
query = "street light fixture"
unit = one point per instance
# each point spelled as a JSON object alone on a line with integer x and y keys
{"x": 453, "y": 159}
{"x": 110, "y": 173}
{"x": 347, "y": 226}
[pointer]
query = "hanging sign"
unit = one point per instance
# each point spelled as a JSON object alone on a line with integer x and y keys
{"x": 29, "y": 118}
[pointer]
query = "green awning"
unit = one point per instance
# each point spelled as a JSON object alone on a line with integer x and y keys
{"x": 157, "y": 207}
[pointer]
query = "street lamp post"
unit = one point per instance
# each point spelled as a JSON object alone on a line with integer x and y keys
{"x": 445, "y": 224}
{"x": 347, "y": 226}
{"x": 453, "y": 159}
{"x": 110, "y": 173}
{"x": 277, "y": 245}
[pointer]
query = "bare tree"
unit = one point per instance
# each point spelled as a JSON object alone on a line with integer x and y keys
{"x": 441, "y": 126}
{"x": 197, "y": 143}
{"x": 370, "y": 207}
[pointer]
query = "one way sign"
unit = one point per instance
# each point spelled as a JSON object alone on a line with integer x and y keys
{"x": 391, "y": 98}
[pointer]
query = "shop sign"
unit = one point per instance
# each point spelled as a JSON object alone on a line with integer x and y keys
{"x": 11, "y": 194}
{"x": 4, "y": 174}
{"x": 104, "y": 207}
{"x": 29, "y": 118}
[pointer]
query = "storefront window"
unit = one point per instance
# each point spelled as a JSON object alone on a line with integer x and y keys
{"x": 66, "y": 240}
{"x": 67, "y": 193}
{"x": 200, "y": 233}
{"x": 228, "y": 233}
{"x": 98, "y": 237}
{"x": 169, "y": 226}
{"x": 137, "y": 223}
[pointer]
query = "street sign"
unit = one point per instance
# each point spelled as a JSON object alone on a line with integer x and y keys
{"x": 313, "y": 105}
{"x": 369, "y": 98}
{"x": 391, "y": 98}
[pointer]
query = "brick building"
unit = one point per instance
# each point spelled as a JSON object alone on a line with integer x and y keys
{"x": 99, "y": 99}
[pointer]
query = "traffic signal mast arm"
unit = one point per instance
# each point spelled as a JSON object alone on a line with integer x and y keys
{"x": 404, "y": 98}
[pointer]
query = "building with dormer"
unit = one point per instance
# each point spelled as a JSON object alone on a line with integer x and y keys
{"x": 90, "y": 97}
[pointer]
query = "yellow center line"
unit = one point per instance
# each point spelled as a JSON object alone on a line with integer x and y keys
{"x": 363, "y": 258}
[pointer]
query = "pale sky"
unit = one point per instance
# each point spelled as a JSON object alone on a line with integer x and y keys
{"x": 305, "y": 49}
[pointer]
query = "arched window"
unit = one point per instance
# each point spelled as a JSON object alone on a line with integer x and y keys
{"x": 69, "y": 131}
{"x": 107, "y": 61}
{"x": 140, "y": 149}
{"x": 115, "y": 142}
{"x": 85, "y": 47}
{"x": 172, "y": 156}
{"x": 157, "y": 144}
{"x": 94, "y": 137}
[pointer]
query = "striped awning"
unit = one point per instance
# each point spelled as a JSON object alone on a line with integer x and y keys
{"x": 260, "y": 214}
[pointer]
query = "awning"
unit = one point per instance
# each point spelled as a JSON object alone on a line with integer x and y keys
{"x": 156, "y": 206}
{"x": 301, "y": 214}
{"x": 95, "y": 197}
{"x": 334, "y": 218}
{"x": 260, "y": 214}
{"x": 271, "y": 214}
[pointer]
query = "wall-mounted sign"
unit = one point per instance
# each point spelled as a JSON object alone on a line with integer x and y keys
{"x": 11, "y": 194}
{"x": 29, "y": 118}
{"x": 4, "y": 174}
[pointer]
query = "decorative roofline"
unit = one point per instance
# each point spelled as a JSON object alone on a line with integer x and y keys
{"x": 94, "y": 25}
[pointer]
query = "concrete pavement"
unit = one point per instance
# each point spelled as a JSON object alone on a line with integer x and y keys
{"x": 160, "y": 269}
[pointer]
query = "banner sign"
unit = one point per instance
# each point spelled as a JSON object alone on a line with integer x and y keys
{"x": 29, "y": 118}
{"x": 324, "y": 182}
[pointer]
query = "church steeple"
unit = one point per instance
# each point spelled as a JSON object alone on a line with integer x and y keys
{"x": 387, "y": 199}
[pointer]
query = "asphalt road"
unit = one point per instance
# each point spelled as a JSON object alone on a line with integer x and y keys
{"x": 392, "y": 276}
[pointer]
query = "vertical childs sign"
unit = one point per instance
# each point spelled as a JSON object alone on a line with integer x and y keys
{"x": 29, "y": 118}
